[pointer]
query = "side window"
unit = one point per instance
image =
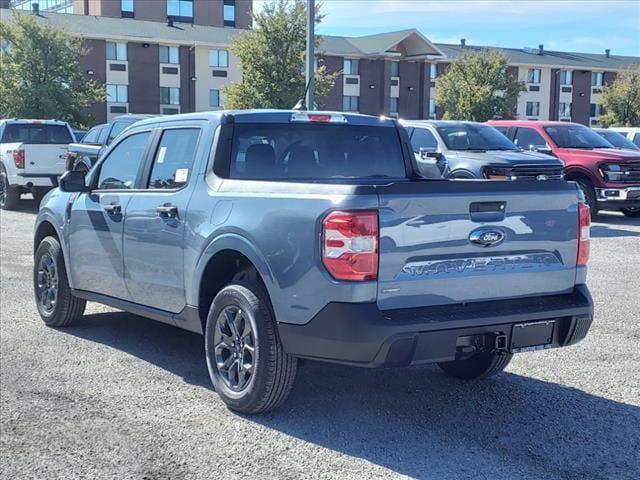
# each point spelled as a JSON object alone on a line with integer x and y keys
{"x": 636, "y": 139}
{"x": 174, "y": 158}
{"x": 504, "y": 131}
{"x": 120, "y": 169}
{"x": 102, "y": 136}
{"x": 92, "y": 135}
{"x": 117, "y": 128}
{"x": 423, "y": 138}
{"x": 527, "y": 138}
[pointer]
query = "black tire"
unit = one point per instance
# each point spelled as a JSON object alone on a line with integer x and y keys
{"x": 481, "y": 365}
{"x": 631, "y": 212}
{"x": 273, "y": 370}
{"x": 62, "y": 308}
{"x": 589, "y": 195}
{"x": 9, "y": 196}
{"x": 38, "y": 194}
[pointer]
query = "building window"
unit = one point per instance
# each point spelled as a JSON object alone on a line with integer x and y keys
{"x": 596, "y": 110}
{"x": 350, "y": 67}
{"x": 533, "y": 109}
{"x": 117, "y": 93}
{"x": 433, "y": 71}
{"x": 126, "y": 8}
{"x": 566, "y": 77}
{"x": 116, "y": 51}
{"x": 218, "y": 58}
{"x": 393, "y": 109}
{"x": 432, "y": 106}
{"x": 395, "y": 69}
{"x": 180, "y": 10}
{"x": 565, "y": 110}
{"x": 216, "y": 98}
{"x": 169, "y": 96}
{"x": 596, "y": 79}
{"x": 533, "y": 75}
{"x": 169, "y": 54}
{"x": 350, "y": 104}
{"x": 229, "y": 13}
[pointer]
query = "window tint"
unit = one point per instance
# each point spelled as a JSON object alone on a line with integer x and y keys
{"x": 617, "y": 139}
{"x": 576, "y": 136}
{"x": 120, "y": 169}
{"x": 36, "y": 133}
{"x": 174, "y": 158}
{"x": 473, "y": 136}
{"x": 636, "y": 139}
{"x": 318, "y": 152}
{"x": 117, "y": 128}
{"x": 528, "y": 138}
{"x": 423, "y": 138}
{"x": 503, "y": 130}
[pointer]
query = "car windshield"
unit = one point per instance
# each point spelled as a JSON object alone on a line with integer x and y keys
{"x": 470, "y": 136}
{"x": 576, "y": 136}
{"x": 36, "y": 133}
{"x": 315, "y": 152}
{"x": 617, "y": 139}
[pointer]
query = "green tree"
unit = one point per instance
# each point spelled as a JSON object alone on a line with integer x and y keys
{"x": 478, "y": 87}
{"x": 40, "y": 74}
{"x": 621, "y": 100}
{"x": 272, "y": 58}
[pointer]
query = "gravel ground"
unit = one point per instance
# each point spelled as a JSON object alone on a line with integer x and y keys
{"x": 119, "y": 396}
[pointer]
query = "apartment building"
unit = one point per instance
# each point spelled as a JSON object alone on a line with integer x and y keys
{"x": 172, "y": 56}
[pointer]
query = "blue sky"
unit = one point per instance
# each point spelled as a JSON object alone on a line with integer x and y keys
{"x": 570, "y": 25}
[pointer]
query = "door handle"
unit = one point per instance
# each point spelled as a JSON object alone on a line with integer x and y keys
{"x": 112, "y": 208}
{"x": 167, "y": 211}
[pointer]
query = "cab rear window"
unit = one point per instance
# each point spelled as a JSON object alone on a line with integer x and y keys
{"x": 36, "y": 133}
{"x": 315, "y": 152}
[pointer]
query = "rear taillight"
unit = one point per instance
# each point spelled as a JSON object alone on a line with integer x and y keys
{"x": 68, "y": 161}
{"x": 18, "y": 158}
{"x": 350, "y": 245}
{"x": 584, "y": 233}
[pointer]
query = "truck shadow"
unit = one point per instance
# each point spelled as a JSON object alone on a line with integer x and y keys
{"x": 604, "y": 231}
{"x": 417, "y": 422}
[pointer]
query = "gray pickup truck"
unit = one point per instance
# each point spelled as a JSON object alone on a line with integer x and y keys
{"x": 282, "y": 235}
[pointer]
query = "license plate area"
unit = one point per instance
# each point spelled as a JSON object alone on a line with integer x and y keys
{"x": 527, "y": 337}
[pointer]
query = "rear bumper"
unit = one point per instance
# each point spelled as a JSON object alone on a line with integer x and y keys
{"x": 614, "y": 198}
{"x": 33, "y": 180}
{"x": 360, "y": 334}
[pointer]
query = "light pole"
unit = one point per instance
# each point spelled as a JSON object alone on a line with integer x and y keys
{"x": 310, "y": 75}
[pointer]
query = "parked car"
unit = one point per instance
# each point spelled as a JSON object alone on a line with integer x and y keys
{"x": 617, "y": 139}
{"x": 32, "y": 156}
{"x": 632, "y": 133}
{"x": 609, "y": 178}
{"x": 476, "y": 150}
{"x": 283, "y": 234}
{"x": 83, "y": 155}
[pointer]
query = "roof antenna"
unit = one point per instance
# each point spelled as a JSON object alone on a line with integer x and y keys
{"x": 301, "y": 105}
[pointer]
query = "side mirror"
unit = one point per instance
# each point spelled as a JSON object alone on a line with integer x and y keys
{"x": 426, "y": 153}
{"x": 73, "y": 181}
{"x": 541, "y": 149}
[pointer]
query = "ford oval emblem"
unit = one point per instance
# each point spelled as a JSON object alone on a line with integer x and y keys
{"x": 487, "y": 236}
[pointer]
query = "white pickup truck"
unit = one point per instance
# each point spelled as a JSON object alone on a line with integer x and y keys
{"x": 32, "y": 156}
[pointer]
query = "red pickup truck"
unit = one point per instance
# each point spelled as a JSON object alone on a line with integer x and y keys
{"x": 609, "y": 178}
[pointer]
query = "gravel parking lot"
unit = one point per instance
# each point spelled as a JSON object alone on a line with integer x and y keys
{"x": 119, "y": 396}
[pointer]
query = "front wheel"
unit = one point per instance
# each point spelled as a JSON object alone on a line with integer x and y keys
{"x": 589, "y": 196}
{"x": 631, "y": 212}
{"x": 247, "y": 364}
{"x": 56, "y": 304}
{"x": 480, "y": 365}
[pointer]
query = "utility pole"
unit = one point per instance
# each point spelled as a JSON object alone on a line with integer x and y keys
{"x": 310, "y": 77}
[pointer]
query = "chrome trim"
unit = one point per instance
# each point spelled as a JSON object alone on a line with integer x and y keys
{"x": 624, "y": 193}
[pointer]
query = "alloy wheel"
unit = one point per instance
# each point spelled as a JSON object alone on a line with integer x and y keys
{"x": 47, "y": 283}
{"x": 235, "y": 348}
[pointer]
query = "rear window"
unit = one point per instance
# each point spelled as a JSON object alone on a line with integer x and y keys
{"x": 315, "y": 152}
{"x": 36, "y": 133}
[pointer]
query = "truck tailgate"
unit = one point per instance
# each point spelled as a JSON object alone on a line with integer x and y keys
{"x": 47, "y": 159}
{"x": 454, "y": 242}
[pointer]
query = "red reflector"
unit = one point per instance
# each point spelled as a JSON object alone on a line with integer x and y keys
{"x": 18, "y": 158}
{"x": 584, "y": 233}
{"x": 350, "y": 245}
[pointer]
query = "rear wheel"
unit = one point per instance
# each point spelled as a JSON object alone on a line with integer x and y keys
{"x": 247, "y": 363}
{"x": 631, "y": 212}
{"x": 56, "y": 304}
{"x": 480, "y": 365}
{"x": 9, "y": 196}
{"x": 589, "y": 195}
